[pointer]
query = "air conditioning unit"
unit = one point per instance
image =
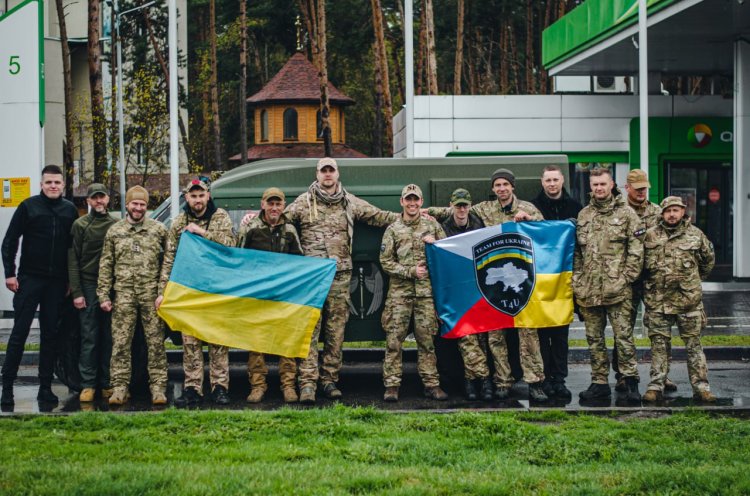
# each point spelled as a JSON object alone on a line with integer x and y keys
{"x": 610, "y": 84}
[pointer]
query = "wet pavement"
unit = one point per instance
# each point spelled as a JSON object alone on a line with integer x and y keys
{"x": 362, "y": 386}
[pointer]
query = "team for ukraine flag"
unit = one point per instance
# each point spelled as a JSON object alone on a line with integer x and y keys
{"x": 618, "y": 263}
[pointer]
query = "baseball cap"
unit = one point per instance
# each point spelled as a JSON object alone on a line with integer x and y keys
{"x": 672, "y": 201}
{"x": 96, "y": 189}
{"x": 638, "y": 179}
{"x": 327, "y": 161}
{"x": 461, "y": 197}
{"x": 273, "y": 193}
{"x": 198, "y": 182}
{"x": 411, "y": 189}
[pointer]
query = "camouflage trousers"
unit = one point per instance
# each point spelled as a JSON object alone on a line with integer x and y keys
{"x": 595, "y": 320}
{"x": 637, "y": 300}
{"x": 192, "y": 363}
{"x": 257, "y": 370}
{"x": 397, "y": 316}
{"x": 333, "y": 321}
{"x": 126, "y": 310}
{"x": 531, "y": 357}
{"x": 473, "y": 350}
{"x": 690, "y": 325}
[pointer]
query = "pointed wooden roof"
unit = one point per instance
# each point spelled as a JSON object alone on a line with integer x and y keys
{"x": 297, "y": 81}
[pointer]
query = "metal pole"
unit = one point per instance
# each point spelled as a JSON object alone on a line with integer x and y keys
{"x": 174, "y": 151}
{"x": 409, "y": 61}
{"x": 643, "y": 82}
{"x": 120, "y": 126}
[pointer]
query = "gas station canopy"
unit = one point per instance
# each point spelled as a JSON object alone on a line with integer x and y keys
{"x": 685, "y": 37}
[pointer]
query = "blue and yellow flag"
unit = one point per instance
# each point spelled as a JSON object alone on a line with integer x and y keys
{"x": 249, "y": 299}
{"x": 511, "y": 275}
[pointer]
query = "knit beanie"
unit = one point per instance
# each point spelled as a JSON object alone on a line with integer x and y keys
{"x": 136, "y": 193}
{"x": 503, "y": 174}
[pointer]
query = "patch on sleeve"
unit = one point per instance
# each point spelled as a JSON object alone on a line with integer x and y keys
{"x": 639, "y": 232}
{"x": 382, "y": 248}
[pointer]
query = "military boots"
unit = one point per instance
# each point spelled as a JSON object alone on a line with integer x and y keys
{"x": 486, "y": 391}
{"x": 7, "y": 397}
{"x": 633, "y": 396}
{"x": 470, "y": 391}
{"x": 596, "y": 392}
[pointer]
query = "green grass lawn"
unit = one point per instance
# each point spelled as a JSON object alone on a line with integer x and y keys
{"x": 356, "y": 451}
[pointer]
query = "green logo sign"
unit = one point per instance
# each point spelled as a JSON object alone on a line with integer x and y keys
{"x": 699, "y": 135}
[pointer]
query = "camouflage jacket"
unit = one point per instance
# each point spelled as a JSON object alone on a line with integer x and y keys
{"x": 650, "y": 213}
{"x": 609, "y": 253}
{"x": 677, "y": 260}
{"x": 323, "y": 228}
{"x": 402, "y": 250}
{"x": 131, "y": 259}
{"x": 491, "y": 212}
{"x": 219, "y": 230}
{"x": 260, "y": 235}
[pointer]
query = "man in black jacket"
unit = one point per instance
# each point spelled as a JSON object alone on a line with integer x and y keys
{"x": 44, "y": 222}
{"x": 555, "y": 204}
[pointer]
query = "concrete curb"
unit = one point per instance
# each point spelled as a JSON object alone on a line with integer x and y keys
{"x": 367, "y": 355}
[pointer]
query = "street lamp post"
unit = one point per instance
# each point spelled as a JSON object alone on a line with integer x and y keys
{"x": 120, "y": 125}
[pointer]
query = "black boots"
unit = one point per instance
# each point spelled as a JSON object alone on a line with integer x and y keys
{"x": 632, "y": 396}
{"x": 596, "y": 392}
{"x": 45, "y": 395}
{"x": 486, "y": 392}
{"x": 7, "y": 397}
{"x": 469, "y": 390}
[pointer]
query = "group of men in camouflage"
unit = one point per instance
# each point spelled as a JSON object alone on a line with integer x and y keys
{"x": 122, "y": 267}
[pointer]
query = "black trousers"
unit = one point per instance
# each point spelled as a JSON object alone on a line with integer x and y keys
{"x": 47, "y": 294}
{"x": 553, "y": 343}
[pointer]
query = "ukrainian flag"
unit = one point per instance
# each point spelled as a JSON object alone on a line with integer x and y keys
{"x": 544, "y": 296}
{"x": 248, "y": 299}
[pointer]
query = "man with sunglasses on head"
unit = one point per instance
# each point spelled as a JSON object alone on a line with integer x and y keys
{"x": 200, "y": 217}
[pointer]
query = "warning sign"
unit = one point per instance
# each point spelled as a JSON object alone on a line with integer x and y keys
{"x": 713, "y": 195}
{"x": 15, "y": 190}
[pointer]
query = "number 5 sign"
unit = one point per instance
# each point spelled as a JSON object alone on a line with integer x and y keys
{"x": 21, "y": 61}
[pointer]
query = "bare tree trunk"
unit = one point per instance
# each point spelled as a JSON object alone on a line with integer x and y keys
{"x": 98, "y": 122}
{"x": 243, "y": 80}
{"x": 514, "y": 61}
{"x": 324, "y": 105}
{"x": 165, "y": 71}
{"x": 67, "y": 89}
{"x": 377, "y": 128}
{"x": 504, "y": 59}
{"x": 114, "y": 137}
{"x": 432, "y": 80}
{"x": 310, "y": 18}
{"x": 214, "y": 84}
{"x": 397, "y": 48}
{"x": 381, "y": 58}
{"x": 529, "y": 62}
{"x": 459, "y": 49}
{"x": 419, "y": 76}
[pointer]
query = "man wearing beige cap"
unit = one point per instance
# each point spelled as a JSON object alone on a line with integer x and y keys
{"x": 403, "y": 258}
{"x": 128, "y": 286}
{"x": 636, "y": 188}
{"x": 87, "y": 239}
{"x": 200, "y": 217}
{"x": 678, "y": 256}
{"x": 325, "y": 215}
{"x": 271, "y": 231}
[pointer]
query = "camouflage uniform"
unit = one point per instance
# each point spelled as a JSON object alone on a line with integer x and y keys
{"x": 219, "y": 230}
{"x": 608, "y": 259}
{"x": 324, "y": 233}
{"x": 650, "y": 215}
{"x": 281, "y": 238}
{"x": 677, "y": 259}
{"x": 130, "y": 264}
{"x": 402, "y": 250}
